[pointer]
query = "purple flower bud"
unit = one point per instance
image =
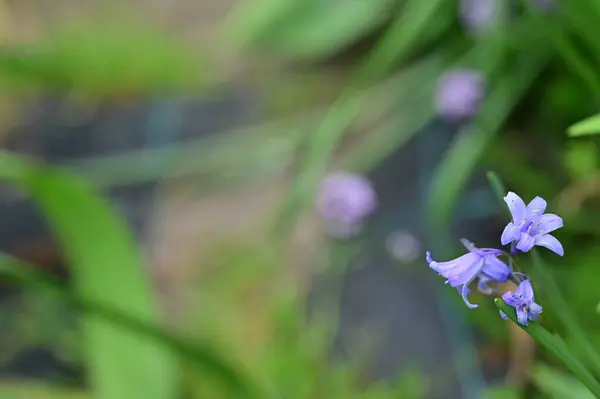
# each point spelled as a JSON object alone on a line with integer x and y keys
{"x": 344, "y": 201}
{"x": 459, "y": 94}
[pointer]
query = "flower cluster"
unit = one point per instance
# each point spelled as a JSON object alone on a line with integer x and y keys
{"x": 530, "y": 226}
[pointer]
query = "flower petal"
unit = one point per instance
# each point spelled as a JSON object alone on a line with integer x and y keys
{"x": 525, "y": 290}
{"x": 483, "y": 287}
{"x": 550, "y": 242}
{"x": 511, "y": 233}
{"x": 468, "y": 244}
{"x": 455, "y": 266}
{"x": 464, "y": 275}
{"x": 509, "y": 298}
{"x": 547, "y": 224}
{"x": 534, "y": 311}
{"x": 525, "y": 243}
{"x": 503, "y": 315}
{"x": 522, "y": 317}
{"x": 517, "y": 207}
{"x": 464, "y": 292}
{"x": 536, "y": 207}
{"x": 495, "y": 269}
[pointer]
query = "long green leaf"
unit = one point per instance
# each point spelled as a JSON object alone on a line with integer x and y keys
{"x": 202, "y": 357}
{"x": 554, "y": 345}
{"x": 585, "y": 127}
{"x": 106, "y": 268}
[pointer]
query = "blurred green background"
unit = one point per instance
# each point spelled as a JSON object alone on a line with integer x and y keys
{"x": 162, "y": 159}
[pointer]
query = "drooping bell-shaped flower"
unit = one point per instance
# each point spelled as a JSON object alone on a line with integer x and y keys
{"x": 482, "y": 263}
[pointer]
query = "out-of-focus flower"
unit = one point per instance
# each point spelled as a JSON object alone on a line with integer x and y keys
{"x": 459, "y": 94}
{"x": 403, "y": 246}
{"x": 344, "y": 201}
{"x": 477, "y": 16}
{"x": 523, "y": 301}
{"x": 478, "y": 262}
{"x": 543, "y": 5}
{"x": 530, "y": 226}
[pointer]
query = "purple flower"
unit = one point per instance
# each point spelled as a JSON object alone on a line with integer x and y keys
{"x": 478, "y": 262}
{"x": 459, "y": 94}
{"x": 522, "y": 300}
{"x": 530, "y": 226}
{"x": 344, "y": 201}
{"x": 543, "y": 5}
{"x": 479, "y": 15}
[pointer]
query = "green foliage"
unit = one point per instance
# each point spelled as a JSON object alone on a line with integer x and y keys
{"x": 298, "y": 27}
{"x": 558, "y": 385}
{"x": 107, "y": 270}
{"x": 585, "y": 127}
{"x": 103, "y": 58}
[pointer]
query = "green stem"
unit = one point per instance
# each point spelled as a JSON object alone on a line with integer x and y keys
{"x": 556, "y": 346}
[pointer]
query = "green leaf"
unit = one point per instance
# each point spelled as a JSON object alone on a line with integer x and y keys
{"x": 554, "y": 345}
{"x": 559, "y": 385}
{"x": 35, "y": 390}
{"x": 563, "y": 311}
{"x": 585, "y": 127}
{"x": 201, "y": 356}
{"x": 311, "y": 29}
{"x": 106, "y": 268}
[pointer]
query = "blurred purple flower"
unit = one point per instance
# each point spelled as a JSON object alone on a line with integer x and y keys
{"x": 344, "y": 201}
{"x": 403, "y": 246}
{"x": 530, "y": 226}
{"x": 478, "y": 15}
{"x": 459, "y": 94}
{"x": 478, "y": 262}
{"x": 543, "y": 5}
{"x": 523, "y": 301}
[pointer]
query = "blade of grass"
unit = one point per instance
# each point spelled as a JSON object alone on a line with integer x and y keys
{"x": 554, "y": 345}
{"x": 585, "y": 127}
{"x": 398, "y": 41}
{"x": 555, "y": 297}
{"x": 565, "y": 314}
{"x": 203, "y": 357}
{"x": 456, "y": 167}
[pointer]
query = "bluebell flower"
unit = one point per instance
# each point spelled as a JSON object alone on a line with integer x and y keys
{"x": 482, "y": 263}
{"x": 530, "y": 226}
{"x": 523, "y": 301}
{"x": 459, "y": 94}
{"x": 344, "y": 201}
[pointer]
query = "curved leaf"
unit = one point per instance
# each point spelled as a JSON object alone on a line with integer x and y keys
{"x": 106, "y": 268}
{"x": 585, "y": 127}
